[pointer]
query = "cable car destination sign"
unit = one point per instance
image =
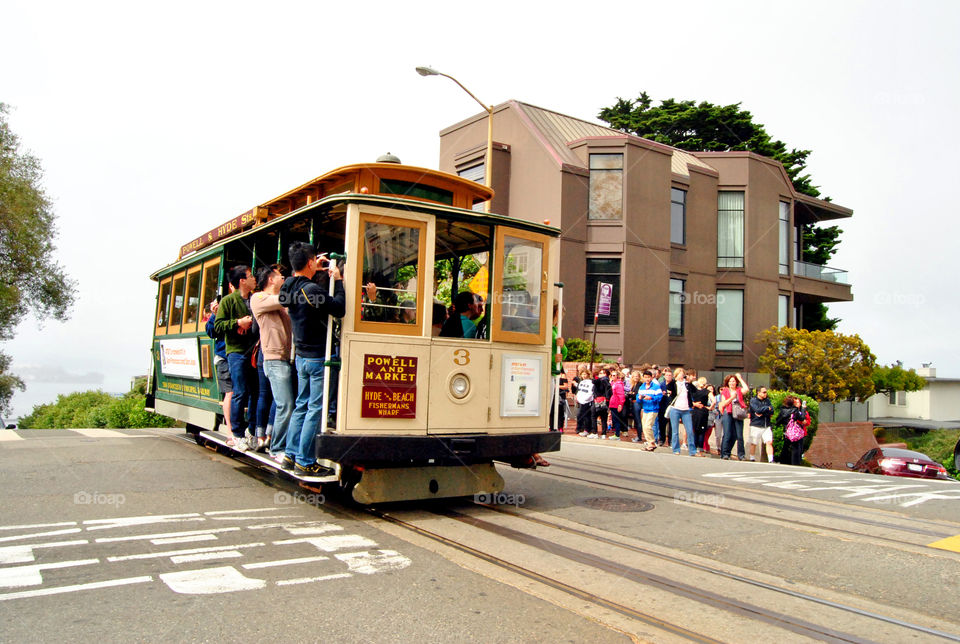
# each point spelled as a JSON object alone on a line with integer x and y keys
{"x": 389, "y": 387}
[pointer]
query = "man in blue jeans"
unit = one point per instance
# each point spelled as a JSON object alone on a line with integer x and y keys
{"x": 235, "y": 322}
{"x": 309, "y": 306}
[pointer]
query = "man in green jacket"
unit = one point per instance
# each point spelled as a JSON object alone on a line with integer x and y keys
{"x": 235, "y": 322}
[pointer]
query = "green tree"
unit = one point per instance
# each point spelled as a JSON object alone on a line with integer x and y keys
{"x": 705, "y": 127}
{"x": 579, "y": 351}
{"x": 824, "y": 365}
{"x": 896, "y": 378}
{"x": 31, "y": 280}
{"x": 709, "y": 128}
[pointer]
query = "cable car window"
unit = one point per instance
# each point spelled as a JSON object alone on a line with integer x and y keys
{"x": 163, "y": 307}
{"x": 391, "y": 281}
{"x": 176, "y": 308}
{"x": 193, "y": 299}
{"x": 211, "y": 282}
{"x": 462, "y": 266}
{"x": 522, "y": 266}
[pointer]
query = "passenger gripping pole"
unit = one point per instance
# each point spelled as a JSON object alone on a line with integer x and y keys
{"x": 326, "y": 362}
{"x": 556, "y": 383}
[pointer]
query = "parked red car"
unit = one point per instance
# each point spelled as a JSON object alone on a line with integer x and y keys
{"x": 894, "y": 461}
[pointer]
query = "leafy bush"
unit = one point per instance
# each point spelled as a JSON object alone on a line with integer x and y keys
{"x": 776, "y": 397}
{"x": 938, "y": 444}
{"x": 579, "y": 351}
{"x": 87, "y": 409}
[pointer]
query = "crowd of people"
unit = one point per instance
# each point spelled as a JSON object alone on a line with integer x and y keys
{"x": 270, "y": 352}
{"x": 676, "y": 408}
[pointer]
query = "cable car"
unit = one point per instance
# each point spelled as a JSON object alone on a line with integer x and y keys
{"x": 413, "y": 415}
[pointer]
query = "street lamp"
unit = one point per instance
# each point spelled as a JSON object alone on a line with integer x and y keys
{"x": 488, "y": 163}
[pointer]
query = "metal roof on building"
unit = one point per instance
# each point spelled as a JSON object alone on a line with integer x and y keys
{"x": 556, "y": 131}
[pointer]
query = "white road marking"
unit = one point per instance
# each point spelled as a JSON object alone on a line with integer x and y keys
{"x": 39, "y": 534}
{"x": 23, "y": 554}
{"x": 918, "y": 497}
{"x": 165, "y": 534}
{"x": 189, "y": 551}
{"x": 125, "y": 522}
{"x": 37, "y": 525}
{"x": 74, "y": 588}
{"x": 196, "y": 537}
{"x": 314, "y": 527}
{"x": 30, "y": 575}
{"x": 204, "y": 556}
{"x": 10, "y": 435}
{"x": 214, "y": 513}
{"x": 101, "y": 433}
{"x": 256, "y": 518}
{"x": 367, "y": 563}
{"x": 210, "y": 581}
{"x": 283, "y": 562}
{"x": 855, "y": 486}
{"x": 309, "y": 580}
{"x": 335, "y": 542}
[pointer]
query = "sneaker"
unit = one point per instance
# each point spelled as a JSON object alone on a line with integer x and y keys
{"x": 753, "y": 459}
{"x": 591, "y": 435}
{"x": 604, "y": 437}
{"x": 312, "y": 470}
{"x": 241, "y": 445}
{"x": 287, "y": 463}
{"x": 582, "y": 434}
{"x": 634, "y": 440}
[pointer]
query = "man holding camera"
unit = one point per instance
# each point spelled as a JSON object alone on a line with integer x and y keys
{"x": 309, "y": 308}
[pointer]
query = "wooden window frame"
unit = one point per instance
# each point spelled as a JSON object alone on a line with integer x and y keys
{"x": 203, "y": 283}
{"x": 498, "y": 334}
{"x": 181, "y": 275}
{"x": 157, "y": 329}
{"x": 191, "y": 327}
{"x": 390, "y": 328}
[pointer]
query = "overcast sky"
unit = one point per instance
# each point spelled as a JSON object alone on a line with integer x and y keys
{"x": 155, "y": 123}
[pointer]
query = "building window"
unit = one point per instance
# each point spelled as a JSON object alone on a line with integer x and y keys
{"x": 729, "y": 320}
{"x": 608, "y": 272}
{"x": 898, "y": 398}
{"x": 675, "y": 317}
{"x": 606, "y": 186}
{"x": 475, "y": 173}
{"x": 678, "y": 216}
{"x": 784, "y": 238}
{"x": 783, "y": 317}
{"x": 730, "y": 229}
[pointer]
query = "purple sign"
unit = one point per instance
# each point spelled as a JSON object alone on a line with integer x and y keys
{"x": 606, "y": 297}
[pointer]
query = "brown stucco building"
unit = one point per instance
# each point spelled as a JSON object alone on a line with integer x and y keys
{"x": 702, "y": 248}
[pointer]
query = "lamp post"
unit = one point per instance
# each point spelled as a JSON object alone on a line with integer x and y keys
{"x": 488, "y": 163}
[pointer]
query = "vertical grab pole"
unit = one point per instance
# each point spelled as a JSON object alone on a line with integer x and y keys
{"x": 327, "y": 352}
{"x": 556, "y": 384}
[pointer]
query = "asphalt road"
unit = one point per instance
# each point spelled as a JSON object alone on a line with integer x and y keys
{"x": 127, "y": 535}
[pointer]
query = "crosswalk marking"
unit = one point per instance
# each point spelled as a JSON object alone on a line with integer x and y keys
{"x": 283, "y": 562}
{"x": 40, "y": 592}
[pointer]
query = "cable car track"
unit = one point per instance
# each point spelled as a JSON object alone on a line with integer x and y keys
{"x": 950, "y": 528}
{"x": 700, "y": 595}
{"x": 761, "y": 515}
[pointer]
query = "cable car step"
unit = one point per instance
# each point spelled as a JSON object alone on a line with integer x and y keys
{"x": 265, "y": 460}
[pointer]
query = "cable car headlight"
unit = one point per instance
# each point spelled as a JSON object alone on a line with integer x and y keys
{"x": 459, "y": 386}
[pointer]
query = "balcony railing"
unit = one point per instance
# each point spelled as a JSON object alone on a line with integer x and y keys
{"x": 818, "y": 272}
